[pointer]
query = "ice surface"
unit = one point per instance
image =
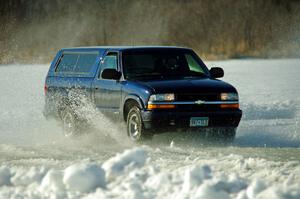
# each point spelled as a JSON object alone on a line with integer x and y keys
{"x": 263, "y": 162}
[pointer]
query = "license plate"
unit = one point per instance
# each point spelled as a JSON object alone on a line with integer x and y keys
{"x": 198, "y": 121}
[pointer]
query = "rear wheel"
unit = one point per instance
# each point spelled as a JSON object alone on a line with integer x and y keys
{"x": 135, "y": 128}
{"x": 69, "y": 122}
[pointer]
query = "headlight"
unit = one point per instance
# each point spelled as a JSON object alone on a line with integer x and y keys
{"x": 162, "y": 97}
{"x": 229, "y": 96}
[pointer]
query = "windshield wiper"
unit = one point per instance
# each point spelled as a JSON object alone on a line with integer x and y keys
{"x": 148, "y": 76}
{"x": 166, "y": 76}
{"x": 195, "y": 74}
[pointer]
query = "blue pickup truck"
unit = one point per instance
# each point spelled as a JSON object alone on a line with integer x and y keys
{"x": 151, "y": 89}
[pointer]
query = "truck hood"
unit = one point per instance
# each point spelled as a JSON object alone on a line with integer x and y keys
{"x": 204, "y": 85}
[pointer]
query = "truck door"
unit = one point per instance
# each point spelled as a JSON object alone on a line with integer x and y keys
{"x": 107, "y": 93}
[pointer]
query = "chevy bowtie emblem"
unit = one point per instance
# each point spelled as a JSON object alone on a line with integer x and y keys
{"x": 199, "y": 102}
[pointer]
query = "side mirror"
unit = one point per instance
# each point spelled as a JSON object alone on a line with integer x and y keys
{"x": 216, "y": 72}
{"x": 111, "y": 74}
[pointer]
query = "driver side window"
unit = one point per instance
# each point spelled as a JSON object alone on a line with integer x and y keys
{"x": 193, "y": 65}
{"x": 110, "y": 61}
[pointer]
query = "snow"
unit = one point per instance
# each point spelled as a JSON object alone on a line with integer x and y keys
{"x": 4, "y": 176}
{"x": 84, "y": 177}
{"x": 195, "y": 176}
{"x": 263, "y": 162}
{"x": 23, "y": 177}
{"x": 120, "y": 163}
{"x": 88, "y": 180}
{"x": 52, "y": 181}
{"x": 255, "y": 188}
{"x": 207, "y": 191}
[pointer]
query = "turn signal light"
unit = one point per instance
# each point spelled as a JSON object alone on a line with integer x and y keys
{"x": 161, "y": 106}
{"x": 235, "y": 106}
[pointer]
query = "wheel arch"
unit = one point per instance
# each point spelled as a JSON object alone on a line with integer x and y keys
{"x": 129, "y": 102}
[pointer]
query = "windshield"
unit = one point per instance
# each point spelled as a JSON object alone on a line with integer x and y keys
{"x": 162, "y": 64}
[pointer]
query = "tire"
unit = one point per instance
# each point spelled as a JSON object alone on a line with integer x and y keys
{"x": 135, "y": 127}
{"x": 69, "y": 122}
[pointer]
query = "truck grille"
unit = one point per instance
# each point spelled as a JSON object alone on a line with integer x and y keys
{"x": 195, "y": 107}
{"x": 191, "y": 97}
{"x": 194, "y": 97}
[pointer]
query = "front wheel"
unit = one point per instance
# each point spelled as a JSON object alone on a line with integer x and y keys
{"x": 135, "y": 128}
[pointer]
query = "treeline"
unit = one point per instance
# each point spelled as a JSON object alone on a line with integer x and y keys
{"x": 33, "y": 30}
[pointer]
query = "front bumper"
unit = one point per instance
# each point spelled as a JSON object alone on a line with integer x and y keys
{"x": 157, "y": 119}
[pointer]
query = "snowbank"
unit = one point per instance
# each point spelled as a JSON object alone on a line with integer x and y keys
{"x": 24, "y": 177}
{"x": 207, "y": 191}
{"x": 125, "y": 161}
{"x": 4, "y": 176}
{"x": 130, "y": 176}
{"x": 53, "y": 181}
{"x": 84, "y": 177}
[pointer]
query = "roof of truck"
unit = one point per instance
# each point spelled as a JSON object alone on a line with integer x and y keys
{"x": 121, "y": 47}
